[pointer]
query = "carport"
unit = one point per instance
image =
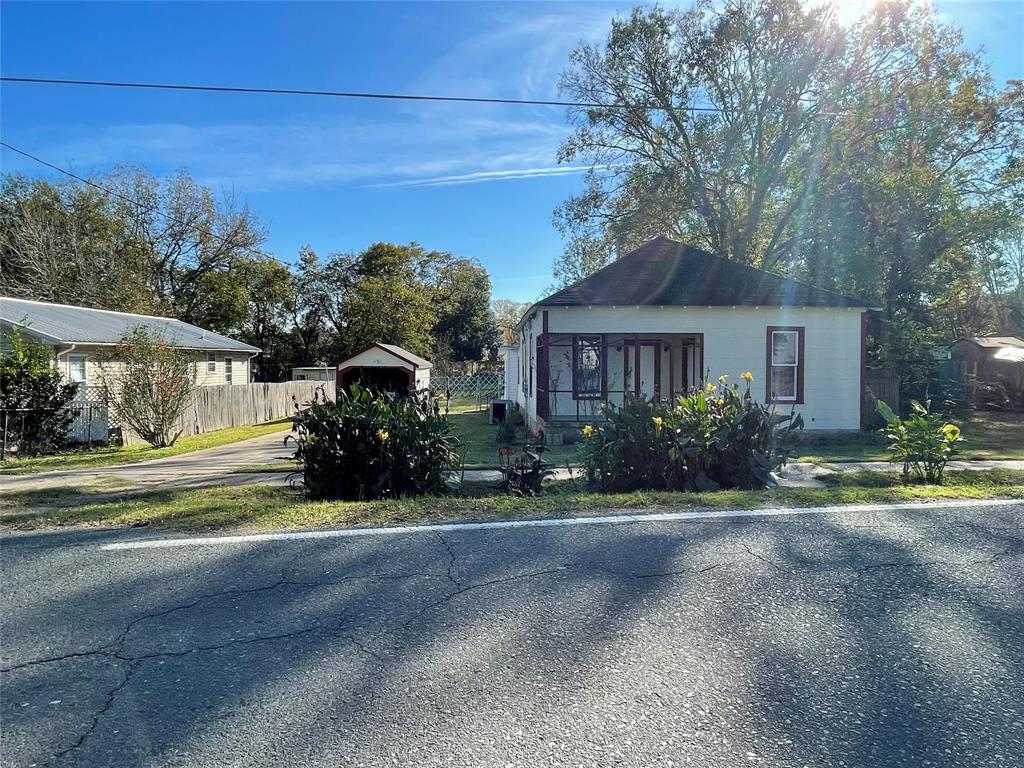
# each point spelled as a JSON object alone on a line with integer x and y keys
{"x": 385, "y": 367}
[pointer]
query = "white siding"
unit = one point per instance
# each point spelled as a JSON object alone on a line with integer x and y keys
{"x": 734, "y": 342}
{"x": 204, "y": 378}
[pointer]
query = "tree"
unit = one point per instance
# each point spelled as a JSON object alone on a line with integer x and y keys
{"x": 462, "y": 303}
{"x": 62, "y": 243}
{"x": 270, "y": 293}
{"x": 507, "y": 314}
{"x": 384, "y": 297}
{"x": 34, "y": 398}
{"x": 878, "y": 160}
{"x": 148, "y": 385}
{"x": 726, "y": 180}
{"x": 159, "y": 246}
{"x": 308, "y": 331}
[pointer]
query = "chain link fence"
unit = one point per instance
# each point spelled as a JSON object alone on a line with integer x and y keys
{"x": 475, "y": 390}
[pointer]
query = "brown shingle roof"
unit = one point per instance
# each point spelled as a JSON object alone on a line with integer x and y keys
{"x": 664, "y": 272}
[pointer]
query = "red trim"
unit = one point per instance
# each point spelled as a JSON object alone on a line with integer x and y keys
{"x": 800, "y": 364}
{"x": 671, "y": 370}
{"x": 604, "y": 368}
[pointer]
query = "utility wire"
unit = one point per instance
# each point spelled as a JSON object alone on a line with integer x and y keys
{"x": 378, "y": 96}
{"x": 138, "y": 204}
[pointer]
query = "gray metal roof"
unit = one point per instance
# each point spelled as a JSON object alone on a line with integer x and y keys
{"x": 66, "y": 324}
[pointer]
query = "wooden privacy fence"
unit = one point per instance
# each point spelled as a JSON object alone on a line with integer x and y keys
{"x": 238, "y": 405}
{"x": 879, "y": 385}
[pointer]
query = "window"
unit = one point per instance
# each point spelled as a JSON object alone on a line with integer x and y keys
{"x": 785, "y": 364}
{"x": 211, "y": 362}
{"x": 77, "y": 371}
{"x": 227, "y": 370}
{"x": 587, "y": 378}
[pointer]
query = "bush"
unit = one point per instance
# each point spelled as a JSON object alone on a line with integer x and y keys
{"x": 34, "y": 397}
{"x": 923, "y": 442}
{"x": 369, "y": 445}
{"x": 148, "y": 384}
{"x": 711, "y": 438}
{"x": 524, "y": 475}
{"x": 510, "y": 428}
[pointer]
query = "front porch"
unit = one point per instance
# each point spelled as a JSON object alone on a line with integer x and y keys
{"x": 578, "y": 373}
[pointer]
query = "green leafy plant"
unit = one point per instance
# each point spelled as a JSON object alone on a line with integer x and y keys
{"x": 524, "y": 474}
{"x": 923, "y": 442}
{"x": 712, "y": 437}
{"x": 370, "y": 445}
{"x": 34, "y": 398}
{"x": 510, "y": 427}
{"x": 148, "y": 384}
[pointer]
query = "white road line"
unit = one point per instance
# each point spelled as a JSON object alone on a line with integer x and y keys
{"x": 654, "y": 517}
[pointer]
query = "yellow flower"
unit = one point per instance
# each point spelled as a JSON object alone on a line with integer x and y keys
{"x": 382, "y": 435}
{"x": 709, "y": 388}
{"x": 658, "y": 421}
{"x": 747, "y": 376}
{"x": 588, "y": 430}
{"x": 723, "y": 378}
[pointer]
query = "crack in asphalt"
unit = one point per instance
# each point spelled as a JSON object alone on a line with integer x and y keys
{"x": 451, "y": 559}
{"x": 115, "y": 649}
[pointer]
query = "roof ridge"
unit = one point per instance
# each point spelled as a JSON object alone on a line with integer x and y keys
{"x": 93, "y": 309}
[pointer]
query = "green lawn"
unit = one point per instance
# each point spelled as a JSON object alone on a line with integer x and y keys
{"x": 479, "y": 441}
{"x": 987, "y": 435}
{"x": 277, "y": 508}
{"x": 131, "y": 454}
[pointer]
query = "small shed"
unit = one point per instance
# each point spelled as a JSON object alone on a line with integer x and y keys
{"x": 986, "y": 358}
{"x": 313, "y": 373}
{"x": 385, "y": 367}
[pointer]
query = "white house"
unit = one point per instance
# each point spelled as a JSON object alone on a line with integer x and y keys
{"x": 659, "y": 319}
{"x": 79, "y": 336}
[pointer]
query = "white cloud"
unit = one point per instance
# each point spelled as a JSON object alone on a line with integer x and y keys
{"x": 509, "y": 54}
{"x": 472, "y": 178}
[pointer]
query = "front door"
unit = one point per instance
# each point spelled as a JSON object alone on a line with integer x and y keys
{"x": 648, "y": 364}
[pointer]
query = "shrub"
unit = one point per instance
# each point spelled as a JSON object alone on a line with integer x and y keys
{"x": 510, "y": 428}
{"x": 923, "y": 442}
{"x": 630, "y": 450}
{"x": 715, "y": 437}
{"x": 524, "y": 474}
{"x": 34, "y": 397}
{"x": 148, "y": 385}
{"x": 369, "y": 445}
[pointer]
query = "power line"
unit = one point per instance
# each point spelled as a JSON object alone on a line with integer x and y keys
{"x": 138, "y": 204}
{"x": 308, "y": 92}
{"x": 381, "y": 96}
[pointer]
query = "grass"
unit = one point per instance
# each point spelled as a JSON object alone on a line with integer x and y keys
{"x": 987, "y": 435}
{"x": 132, "y": 454}
{"x": 280, "y": 508}
{"x": 479, "y": 441}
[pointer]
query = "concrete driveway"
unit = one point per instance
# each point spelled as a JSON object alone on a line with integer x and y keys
{"x": 880, "y": 637}
{"x": 212, "y": 466}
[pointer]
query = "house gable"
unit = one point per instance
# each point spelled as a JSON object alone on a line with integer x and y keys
{"x": 666, "y": 273}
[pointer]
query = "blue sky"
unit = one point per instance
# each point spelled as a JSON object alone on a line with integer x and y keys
{"x": 477, "y": 180}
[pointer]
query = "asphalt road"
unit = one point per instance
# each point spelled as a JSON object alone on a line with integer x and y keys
{"x": 891, "y": 638}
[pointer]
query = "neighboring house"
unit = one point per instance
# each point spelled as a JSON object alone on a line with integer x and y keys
{"x": 655, "y": 321}
{"x": 313, "y": 373}
{"x": 79, "y": 337}
{"x": 385, "y": 367}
